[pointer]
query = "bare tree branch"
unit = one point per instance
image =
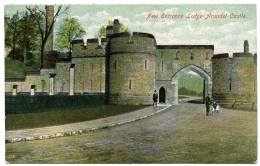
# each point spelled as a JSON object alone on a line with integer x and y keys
{"x": 48, "y": 28}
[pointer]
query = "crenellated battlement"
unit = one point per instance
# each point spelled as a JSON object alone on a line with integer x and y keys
{"x": 137, "y": 43}
{"x": 90, "y": 49}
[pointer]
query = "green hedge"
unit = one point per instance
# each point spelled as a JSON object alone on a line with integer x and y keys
{"x": 29, "y": 104}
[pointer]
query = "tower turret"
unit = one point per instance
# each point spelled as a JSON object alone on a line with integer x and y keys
{"x": 246, "y": 46}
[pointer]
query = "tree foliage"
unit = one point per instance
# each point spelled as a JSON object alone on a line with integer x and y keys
{"x": 190, "y": 84}
{"x": 21, "y": 36}
{"x": 39, "y": 16}
{"x": 102, "y": 29}
{"x": 69, "y": 31}
{"x": 29, "y": 37}
{"x": 12, "y": 31}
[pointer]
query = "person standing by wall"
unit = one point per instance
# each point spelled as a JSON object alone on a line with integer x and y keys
{"x": 208, "y": 103}
{"x": 155, "y": 97}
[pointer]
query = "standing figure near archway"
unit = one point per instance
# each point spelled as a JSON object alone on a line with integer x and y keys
{"x": 155, "y": 97}
{"x": 208, "y": 103}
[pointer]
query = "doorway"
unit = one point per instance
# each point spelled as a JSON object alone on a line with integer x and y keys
{"x": 162, "y": 95}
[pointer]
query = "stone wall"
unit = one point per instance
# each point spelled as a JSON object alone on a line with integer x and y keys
{"x": 170, "y": 59}
{"x": 173, "y": 60}
{"x": 89, "y": 74}
{"x": 220, "y": 76}
{"x": 39, "y": 79}
{"x": 235, "y": 80}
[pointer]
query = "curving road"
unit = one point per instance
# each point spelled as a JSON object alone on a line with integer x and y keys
{"x": 180, "y": 134}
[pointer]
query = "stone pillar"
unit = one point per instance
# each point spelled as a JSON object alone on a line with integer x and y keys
{"x": 175, "y": 96}
{"x": 32, "y": 90}
{"x": 14, "y": 90}
{"x": 72, "y": 79}
{"x": 52, "y": 84}
{"x": 175, "y": 92}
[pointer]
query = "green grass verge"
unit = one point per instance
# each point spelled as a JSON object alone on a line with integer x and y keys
{"x": 44, "y": 119}
{"x": 14, "y": 69}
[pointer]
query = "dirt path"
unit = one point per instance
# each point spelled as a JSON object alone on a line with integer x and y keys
{"x": 185, "y": 100}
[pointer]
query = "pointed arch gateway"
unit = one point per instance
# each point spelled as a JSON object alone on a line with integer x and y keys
{"x": 207, "y": 81}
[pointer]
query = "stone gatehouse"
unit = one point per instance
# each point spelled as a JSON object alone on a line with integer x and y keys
{"x": 129, "y": 68}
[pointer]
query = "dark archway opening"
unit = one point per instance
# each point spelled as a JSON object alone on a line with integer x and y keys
{"x": 162, "y": 95}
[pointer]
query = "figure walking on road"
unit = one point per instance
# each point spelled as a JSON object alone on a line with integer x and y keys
{"x": 208, "y": 103}
{"x": 155, "y": 97}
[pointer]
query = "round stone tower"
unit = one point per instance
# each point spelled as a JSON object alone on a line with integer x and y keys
{"x": 131, "y": 68}
{"x": 235, "y": 79}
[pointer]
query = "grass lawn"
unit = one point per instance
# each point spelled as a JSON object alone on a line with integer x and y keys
{"x": 43, "y": 119}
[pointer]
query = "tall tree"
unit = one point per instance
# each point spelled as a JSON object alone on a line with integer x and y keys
{"x": 12, "y": 32}
{"x": 102, "y": 29}
{"x": 29, "y": 37}
{"x": 39, "y": 15}
{"x": 69, "y": 31}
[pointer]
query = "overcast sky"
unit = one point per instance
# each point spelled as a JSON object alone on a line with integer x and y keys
{"x": 226, "y": 34}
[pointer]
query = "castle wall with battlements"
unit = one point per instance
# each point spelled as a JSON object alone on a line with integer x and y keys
{"x": 129, "y": 69}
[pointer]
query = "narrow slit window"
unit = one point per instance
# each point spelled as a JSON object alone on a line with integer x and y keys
{"x": 114, "y": 64}
{"x": 207, "y": 55}
{"x": 145, "y": 64}
{"x": 230, "y": 87}
{"x": 130, "y": 84}
{"x": 91, "y": 66}
{"x": 90, "y": 85}
{"x": 162, "y": 65}
{"x": 82, "y": 86}
{"x": 254, "y": 86}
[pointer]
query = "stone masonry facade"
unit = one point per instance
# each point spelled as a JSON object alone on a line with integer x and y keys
{"x": 128, "y": 68}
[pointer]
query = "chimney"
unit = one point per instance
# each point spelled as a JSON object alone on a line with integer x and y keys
{"x": 246, "y": 46}
{"x": 116, "y": 26}
{"x": 50, "y": 14}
